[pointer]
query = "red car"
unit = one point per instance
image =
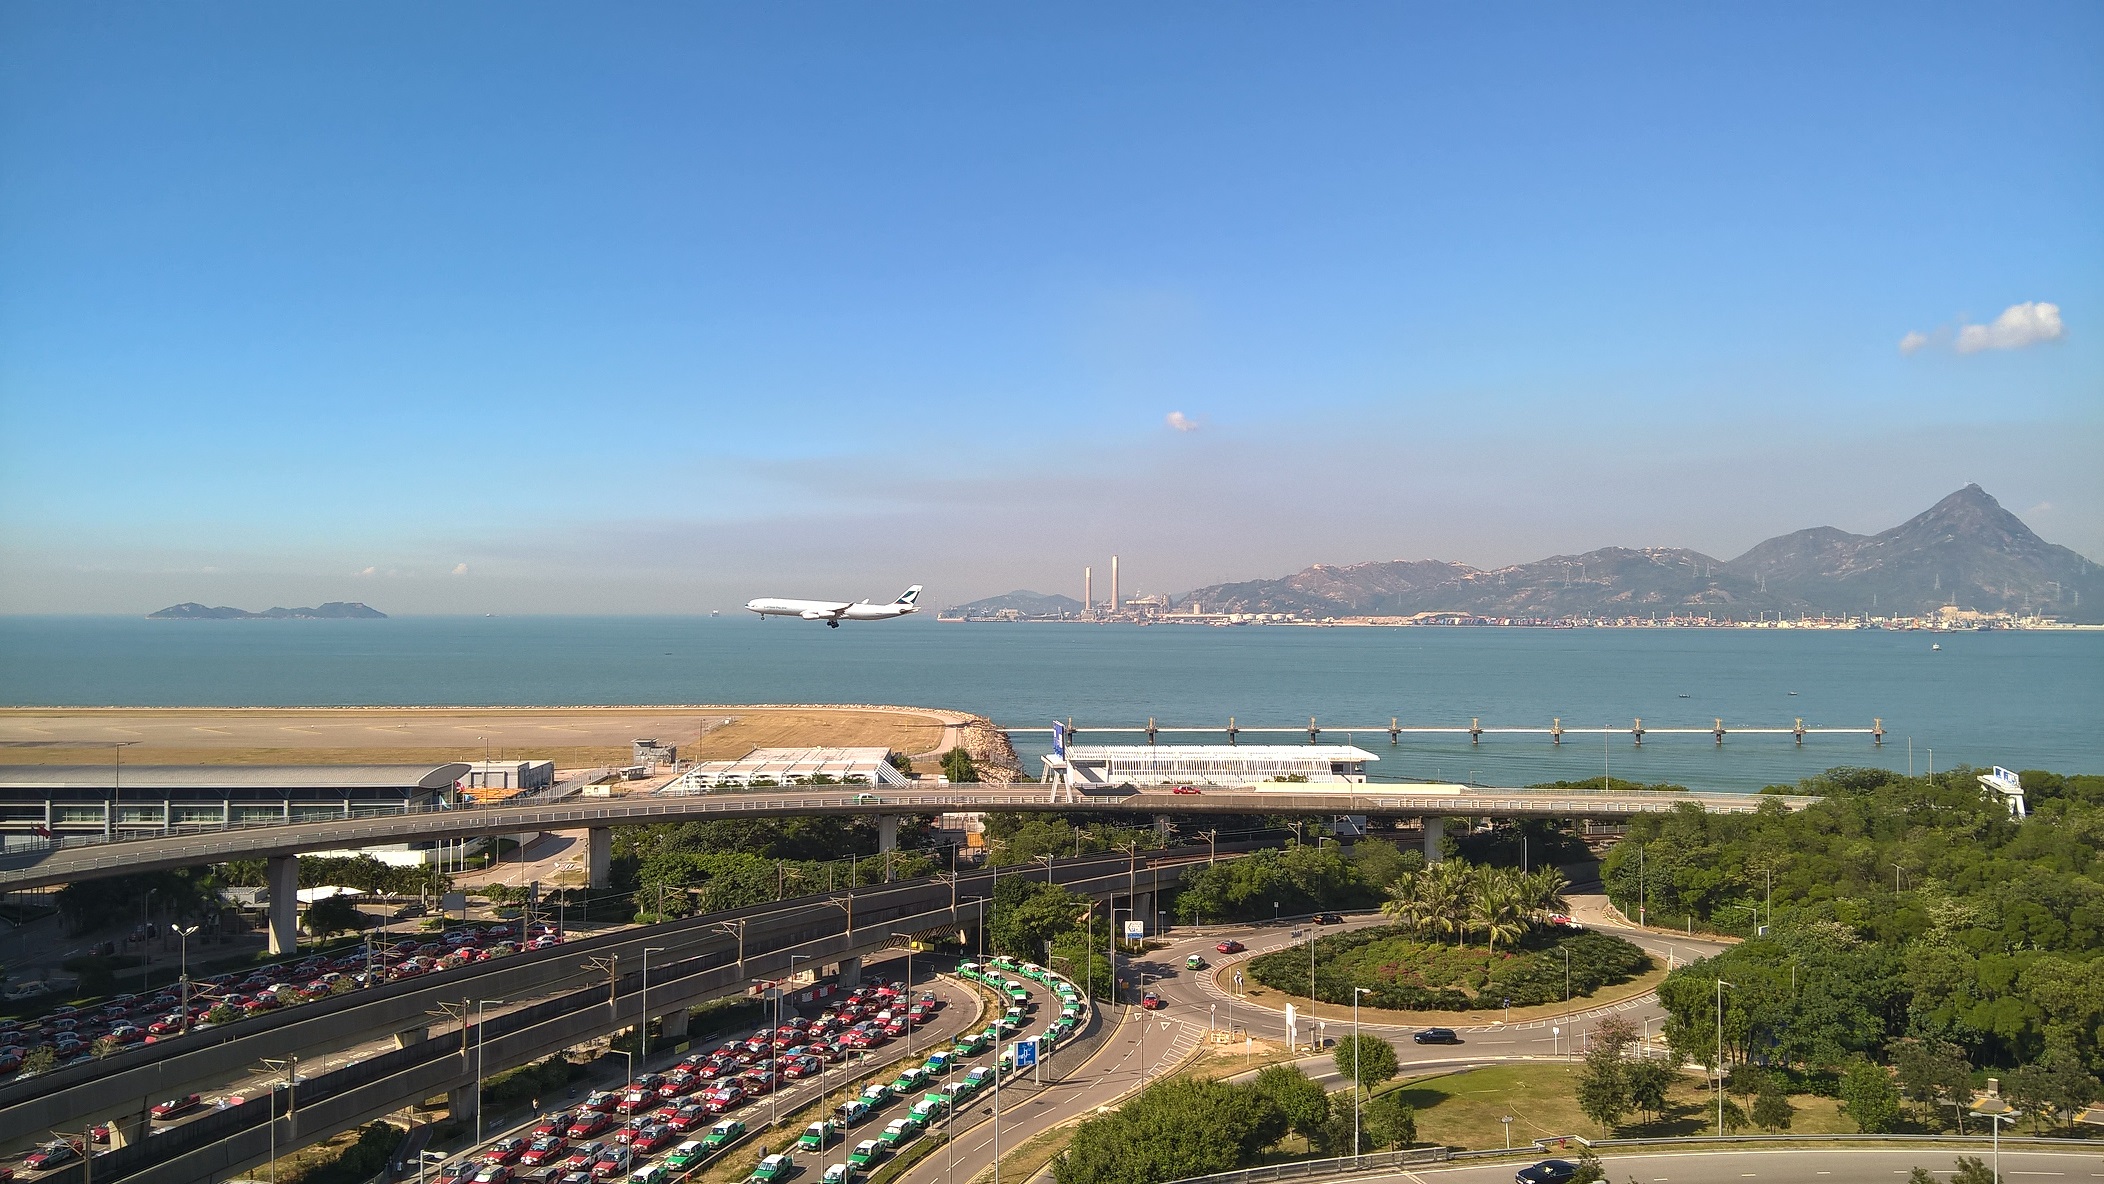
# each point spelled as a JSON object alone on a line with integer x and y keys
{"x": 1151, "y": 1001}
{"x": 505, "y": 1151}
{"x": 175, "y": 1107}
{"x": 544, "y": 1150}
{"x": 691, "y": 1115}
{"x": 1230, "y": 946}
{"x": 587, "y": 1124}
{"x": 582, "y": 1158}
{"x": 1184, "y": 789}
{"x": 554, "y": 1124}
{"x": 650, "y": 1138}
{"x": 51, "y": 1155}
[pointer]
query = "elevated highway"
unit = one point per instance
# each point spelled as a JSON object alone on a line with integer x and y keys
{"x": 580, "y": 991}
{"x": 83, "y": 859}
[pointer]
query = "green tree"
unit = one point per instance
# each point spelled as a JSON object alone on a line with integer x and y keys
{"x": 1368, "y": 1060}
{"x": 1870, "y": 1098}
{"x": 1734, "y": 1117}
{"x": 1302, "y": 1103}
{"x": 332, "y": 915}
{"x": 1172, "y": 1130}
{"x": 1971, "y": 1171}
{"x": 1603, "y": 1087}
{"x": 1771, "y": 1108}
{"x": 958, "y": 767}
{"x": 1647, "y": 1081}
{"x": 1390, "y": 1121}
{"x": 2060, "y": 1089}
{"x": 40, "y": 1059}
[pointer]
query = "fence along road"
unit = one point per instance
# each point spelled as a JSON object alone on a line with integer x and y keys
{"x": 75, "y": 859}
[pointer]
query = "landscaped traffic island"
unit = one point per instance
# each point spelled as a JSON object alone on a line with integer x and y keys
{"x": 1407, "y": 973}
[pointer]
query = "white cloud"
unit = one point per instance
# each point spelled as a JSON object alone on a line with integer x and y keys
{"x": 1912, "y": 342}
{"x": 2019, "y": 325}
{"x": 369, "y": 571}
{"x": 460, "y": 569}
{"x": 1180, "y": 421}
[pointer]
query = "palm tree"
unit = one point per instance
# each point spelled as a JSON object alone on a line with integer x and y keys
{"x": 1498, "y": 904}
{"x": 1543, "y": 893}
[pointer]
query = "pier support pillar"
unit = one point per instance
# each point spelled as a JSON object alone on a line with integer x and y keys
{"x": 672, "y": 1026}
{"x": 1435, "y": 830}
{"x": 282, "y": 875}
{"x": 126, "y": 1129}
{"x": 460, "y": 1102}
{"x": 409, "y": 1036}
{"x": 850, "y": 974}
{"x": 598, "y": 856}
{"x": 1143, "y": 910}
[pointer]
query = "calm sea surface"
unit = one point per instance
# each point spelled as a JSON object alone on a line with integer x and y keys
{"x": 2025, "y": 700}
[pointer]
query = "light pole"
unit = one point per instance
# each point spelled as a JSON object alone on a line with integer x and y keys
{"x": 183, "y": 936}
{"x": 481, "y": 1005}
{"x": 643, "y": 1006}
{"x": 290, "y": 1067}
{"x": 1356, "y": 992}
{"x": 735, "y": 929}
{"x": 1721, "y": 984}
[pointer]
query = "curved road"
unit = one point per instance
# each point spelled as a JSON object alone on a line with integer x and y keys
{"x": 1776, "y": 1165}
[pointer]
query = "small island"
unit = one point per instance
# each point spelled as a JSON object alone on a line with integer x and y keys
{"x": 335, "y": 610}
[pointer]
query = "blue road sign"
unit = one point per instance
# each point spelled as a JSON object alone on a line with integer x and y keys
{"x": 1025, "y": 1054}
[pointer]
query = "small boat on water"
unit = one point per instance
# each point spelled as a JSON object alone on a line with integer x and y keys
{"x": 1935, "y": 645}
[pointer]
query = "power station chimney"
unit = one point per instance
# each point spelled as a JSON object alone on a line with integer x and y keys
{"x": 1088, "y": 591}
{"x": 1114, "y": 585}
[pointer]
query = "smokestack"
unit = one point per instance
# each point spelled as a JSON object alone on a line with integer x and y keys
{"x": 1088, "y": 591}
{"x": 1114, "y": 585}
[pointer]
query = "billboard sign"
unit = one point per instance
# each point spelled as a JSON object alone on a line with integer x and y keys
{"x": 1135, "y": 930}
{"x": 1059, "y": 739}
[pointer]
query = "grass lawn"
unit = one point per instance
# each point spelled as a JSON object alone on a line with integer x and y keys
{"x": 1462, "y": 1109}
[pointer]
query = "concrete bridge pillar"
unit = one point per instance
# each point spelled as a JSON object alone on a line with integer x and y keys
{"x": 887, "y": 832}
{"x": 850, "y": 972}
{"x": 1435, "y": 830}
{"x": 1143, "y": 910}
{"x": 461, "y": 1102}
{"x": 598, "y": 856}
{"x": 126, "y": 1129}
{"x": 282, "y": 876}
{"x": 672, "y": 1026}
{"x": 409, "y": 1036}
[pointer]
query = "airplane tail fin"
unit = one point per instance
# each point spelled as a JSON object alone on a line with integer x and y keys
{"x": 912, "y": 595}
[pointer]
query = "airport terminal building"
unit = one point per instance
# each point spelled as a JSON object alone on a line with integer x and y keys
{"x": 1087, "y": 767}
{"x": 105, "y": 800}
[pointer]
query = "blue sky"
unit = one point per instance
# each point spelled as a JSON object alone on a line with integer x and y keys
{"x": 572, "y": 308}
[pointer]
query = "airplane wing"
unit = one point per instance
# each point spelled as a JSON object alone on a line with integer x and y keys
{"x": 829, "y": 613}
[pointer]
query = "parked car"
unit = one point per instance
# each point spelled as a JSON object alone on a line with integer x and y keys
{"x": 773, "y": 1168}
{"x": 614, "y": 1161}
{"x": 686, "y": 1155}
{"x": 867, "y": 1152}
{"x": 816, "y": 1136}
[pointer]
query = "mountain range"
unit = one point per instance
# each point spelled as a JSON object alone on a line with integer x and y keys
{"x": 335, "y": 610}
{"x": 1022, "y": 602}
{"x": 1965, "y": 550}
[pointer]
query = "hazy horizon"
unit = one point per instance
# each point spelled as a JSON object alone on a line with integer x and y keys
{"x": 658, "y": 309}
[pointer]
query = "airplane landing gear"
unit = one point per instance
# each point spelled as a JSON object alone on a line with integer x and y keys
{"x": 832, "y": 624}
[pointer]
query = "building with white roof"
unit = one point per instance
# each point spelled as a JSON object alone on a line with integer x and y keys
{"x": 1086, "y": 767}
{"x": 790, "y": 766}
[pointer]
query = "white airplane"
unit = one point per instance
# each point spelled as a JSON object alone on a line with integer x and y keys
{"x": 832, "y": 612}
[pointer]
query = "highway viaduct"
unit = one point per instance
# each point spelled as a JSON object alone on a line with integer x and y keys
{"x": 77, "y": 858}
{"x": 593, "y": 987}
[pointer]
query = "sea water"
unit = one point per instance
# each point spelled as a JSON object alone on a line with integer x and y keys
{"x": 2019, "y": 699}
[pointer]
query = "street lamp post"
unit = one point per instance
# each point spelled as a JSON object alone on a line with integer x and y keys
{"x": 1721, "y": 984}
{"x": 481, "y": 1006}
{"x": 1356, "y": 992}
{"x": 183, "y": 936}
{"x": 735, "y": 929}
{"x": 643, "y": 1006}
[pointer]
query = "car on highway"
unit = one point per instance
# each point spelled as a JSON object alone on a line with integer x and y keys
{"x": 774, "y": 1167}
{"x": 1151, "y": 1001}
{"x": 583, "y": 1156}
{"x": 686, "y": 1155}
{"x": 588, "y": 1123}
{"x": 554, "y": 1124}
{"x": 1230, "y": 946}
{"x": 57, "y": 1153}
{"x": 852, "y": 1111}
{"x": 1563, "y": 922}
{"x": 867, "y": 1152}
{"x": 688, "y": 1117}
{"x": 911, "y": 1079}
{"x": 1548, "y": 1171}
{"x": 816, "y": 1136}
{"x": 648, "y": 1140}
{"x": 1195, "y": 962}
{"x": 1329, "y": 919}
{"x": 176, "y": 1107}
{"x": 876, "y": 1095}
{"x": 838, "y": 1173}
{"x": 505, "y": 1151}
{"x": 1436, "y": 1036}
{"x": 493, "y": 1173}
{"x": 722, "y": 1135}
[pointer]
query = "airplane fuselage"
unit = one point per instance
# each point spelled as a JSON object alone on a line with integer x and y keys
{"x": 832, "y": 612}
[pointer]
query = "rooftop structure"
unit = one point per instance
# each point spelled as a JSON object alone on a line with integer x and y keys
{"x": 1084, "y": 767}
{"x": 75, "y": 799}
{"x": 790, "y": 766}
